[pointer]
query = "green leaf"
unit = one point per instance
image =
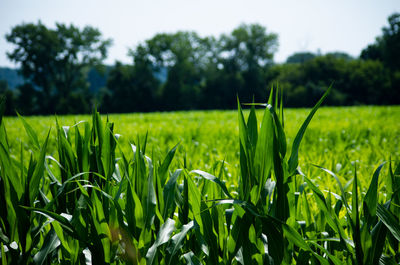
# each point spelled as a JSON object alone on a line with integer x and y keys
{"x": 134, "y": 210}
{"x": 281, "y": 203}
{"x": 389, "y": 220}
{"x": 101, "y": 226}
{"x": 292, "y": 235}
{"x": 238, "y": 235}
{"x": 371, "y": 198}
{"x": 208, "y": 232}
{"x": 294, "y": 156}
{"x": 163, "y": 236}
{"x": 333, "y": 258}
{"x": 280, "y": 134}
{"x": 38, "y": 174}
{"x": 177, "y": 239}
{"x": 264, "y": 149}
{"x": 195, "y": 202}
{"x": 150, "y": 200}
{"x": 252, "y": 127}
{"x": 8, "y": 169}
{"x": 275, "y": 241}
{"x": 242, "y": 127}
{"x": 214, "y": 179}
{"x": 191, "y": 259}
{"x": 321, "y": 202}
{"x": 384, "y": 260}
{"x": 163, "y": 169}
{"x": 379, "y": 233}
{"x": 58, "y": 229}
{"x": 51, "y": 242}
{"x": 31, "y": 133}
{"x": 107, "y": 151}
{"x": 3, "y": 255}
{"x": 169, "y": 194}
{"x": 356, "y": 221}
{"x": 344, "y": 199}
{"x": 60, "y": 219}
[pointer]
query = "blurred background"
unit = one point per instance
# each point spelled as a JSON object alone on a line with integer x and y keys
{"x": 66, "y": 57}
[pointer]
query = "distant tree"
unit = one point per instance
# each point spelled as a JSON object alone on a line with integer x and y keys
{"x": 184, "y": 55}
{"x": 6, "y": 92}
{"x": 354, "y": 81}
{"x": 147, "y": 90}
{"x": 246, "y": 54}
{"x": 56, "y": 61}
{"x": 28, "y": 100}
{"x": 369, "y": 82}
{"x": 120, "y": 93}
{"x": 372, "y": 52}
{"x": 97, "y": 77}
{"x": 340, "y": 55}
{"x": 300, "y": 57}
{"x": 386, "y": 47}
{"x": 132, "y": 88}
{"x": 391, "y": 42}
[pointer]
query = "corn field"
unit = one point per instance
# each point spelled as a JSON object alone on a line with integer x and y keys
{"x": 98, "y": 200}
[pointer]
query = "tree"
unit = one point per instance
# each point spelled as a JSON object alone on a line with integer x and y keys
{"x": 300, "y": 57}
{"x": 55, "y": 61}
{"x": 386, "y": 47}
{"x": 28, "y": 100}
{"x": 246, "y": 54}
{"x": 386, "y": 50}
{"x": 340, "y": 55}
{"x": 391, "y": 42}
{"x": 369, "y": 83}
{"x": 6, "y": 92}
{"x": 147, "y": 85}
{"x": 120, "y": 94}
{"x": 184, "y": 55}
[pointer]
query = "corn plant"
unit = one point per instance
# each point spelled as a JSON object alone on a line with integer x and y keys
{"x": 91, "y": 202}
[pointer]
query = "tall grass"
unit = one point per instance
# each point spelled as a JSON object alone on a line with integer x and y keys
{"x": 94, "y": 203}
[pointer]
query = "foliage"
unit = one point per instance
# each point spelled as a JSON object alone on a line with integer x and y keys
{"x": 356, "y": 81}
{"x": 55, "y": 61}
{"x": 345, "y": 135}
{"x": 386, "y": 47}
{"x": 185, "y": 71}
{"x": 300, "y": 57}
{"x": 92, "y": 202}
{"x": 7, "y": 93}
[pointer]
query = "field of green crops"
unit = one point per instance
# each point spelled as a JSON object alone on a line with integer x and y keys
{"x": 201, "y": 187}
{"x": 336, "y": 138}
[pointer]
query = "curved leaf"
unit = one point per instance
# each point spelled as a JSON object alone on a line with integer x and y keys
{"x": 51, "y": 242}
{"x": 294, "y": 155}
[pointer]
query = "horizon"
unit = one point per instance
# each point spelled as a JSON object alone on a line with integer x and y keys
{"x": 318, "y": 29}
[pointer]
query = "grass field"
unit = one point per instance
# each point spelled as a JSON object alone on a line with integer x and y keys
{"x": 232, "y": 192}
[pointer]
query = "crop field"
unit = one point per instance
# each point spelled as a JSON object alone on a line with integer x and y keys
{"x": 202, "y": 187}
{"x": 336, "y": 138}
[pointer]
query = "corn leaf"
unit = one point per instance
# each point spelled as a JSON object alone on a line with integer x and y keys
{"x": 294, "y": 155}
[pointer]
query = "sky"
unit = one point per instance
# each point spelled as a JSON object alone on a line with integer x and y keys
{"x": 302, "y": 25}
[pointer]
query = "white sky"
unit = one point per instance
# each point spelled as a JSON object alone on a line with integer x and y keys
{"x": 312, "y": 25}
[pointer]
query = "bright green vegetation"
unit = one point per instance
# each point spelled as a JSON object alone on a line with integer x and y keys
{"x": 231, "y": 192}
{"x": 344, "y": 135}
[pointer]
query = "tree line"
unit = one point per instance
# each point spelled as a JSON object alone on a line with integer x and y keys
{"x": 184, "y": 71}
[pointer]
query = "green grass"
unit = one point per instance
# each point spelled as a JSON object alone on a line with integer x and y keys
{"x": 115, "y": 189}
